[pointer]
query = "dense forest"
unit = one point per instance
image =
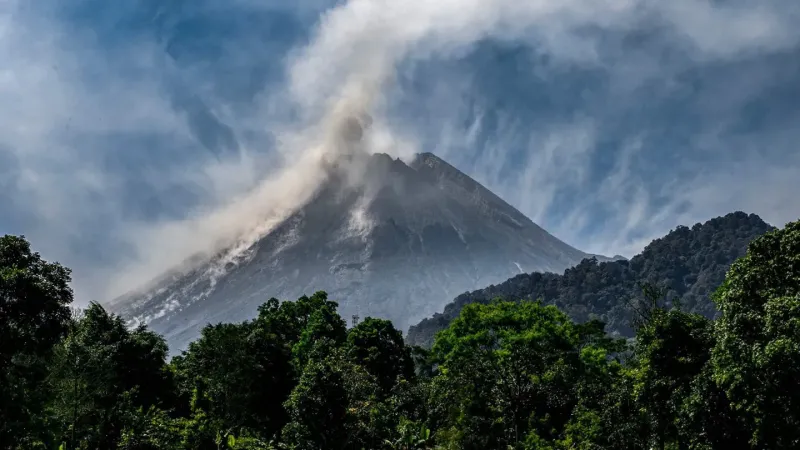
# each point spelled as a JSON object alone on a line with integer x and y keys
{"x": 686, "y": 265}
{"x": 501, "y": 375}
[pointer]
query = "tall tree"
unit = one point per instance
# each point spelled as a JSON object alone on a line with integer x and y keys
{"x": 671, "y": 350}
{"x": 237, "y": 377}
{"x": 318, "y": 407}
{"x": 240, "y": 375}
{"x": 101, "y": 373}
{"x": 335, "y": 405}
{"x": 34, "y": 314}
{"x": 756, "y": 360}
{"x": 508, "y": 372}
{"x": 324, "y": 325}
{"x": 378, "y": 346}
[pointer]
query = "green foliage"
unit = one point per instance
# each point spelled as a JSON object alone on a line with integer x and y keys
{"x": 318, "y": 406}
{"x": 378, "y": 346}
{"x": 350, "y": 392}
{"x": 151, "y": 430}
{"x": 756, "y": 360}
{"x": 102, "y": 373}
{"x": 502, "y": 375}
{"x": 671, "y": 349}
{"x": 34, "y": 315}
{"x": 411, "y": 435}
{"x": 510, "y": 369}
{"x": 238, "y": 376}
{"x": 688, "y": 265}
{"x": 325, "y": 330}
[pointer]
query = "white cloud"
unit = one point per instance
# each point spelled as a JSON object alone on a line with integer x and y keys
{"x": 360, "y": 43}
{"x": 64, "y": 95}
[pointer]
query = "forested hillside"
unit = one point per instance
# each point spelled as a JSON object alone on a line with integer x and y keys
{"x": 687, "y": 264}
{"x": 503, "y": 375}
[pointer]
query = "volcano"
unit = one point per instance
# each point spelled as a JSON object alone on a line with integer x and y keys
{"x": 397, "y": 242}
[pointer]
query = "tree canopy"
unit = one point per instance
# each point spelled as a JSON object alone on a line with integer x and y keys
{"x": 688, "y": 264}
{"x": 503, "y": 374}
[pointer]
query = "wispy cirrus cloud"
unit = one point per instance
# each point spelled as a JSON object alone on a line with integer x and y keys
{"x": 137, "y": 136}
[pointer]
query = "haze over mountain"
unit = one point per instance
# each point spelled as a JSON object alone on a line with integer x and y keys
{"x": 397, "y": 241}
{"x": 606, "y": 122}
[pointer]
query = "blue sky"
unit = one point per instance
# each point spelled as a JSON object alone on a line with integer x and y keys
{"x": 608, "y": 122}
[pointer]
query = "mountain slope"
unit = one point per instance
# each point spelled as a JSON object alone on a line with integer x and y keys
{"x": 688, "y": 263}
{"x": 397, "y": 244}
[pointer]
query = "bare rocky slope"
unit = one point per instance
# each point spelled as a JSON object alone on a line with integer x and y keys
{"x": 399, "y": 244}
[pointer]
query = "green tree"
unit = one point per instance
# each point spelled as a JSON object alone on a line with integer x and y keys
{"x": 503, "y": 375}
{"x": 324, "y": 325}
{"x": 237, "y": 377}
{"x": 378, "y": 346}
{"x": 34, "y": 315}
{"x": 756, "y": 360}
{"x": 240, "y": 375}
{"x": 624, "y": 425}
{"x": 353, "y": 389}
{"x": 151, "y": 429}
{"x": 288, "y": 320}
{"x": 411, "y": 435}
{"x": 707, "y": 420}
{"x": 334, "y": 406}
{"x": 101, "y": 372}
{"x": 689, "y": 263}
{"x": 318, "y": 408}
{"x": 671, "y": 350}
{"x": 605, "y": 415}
{"x": 508, "y": 370}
